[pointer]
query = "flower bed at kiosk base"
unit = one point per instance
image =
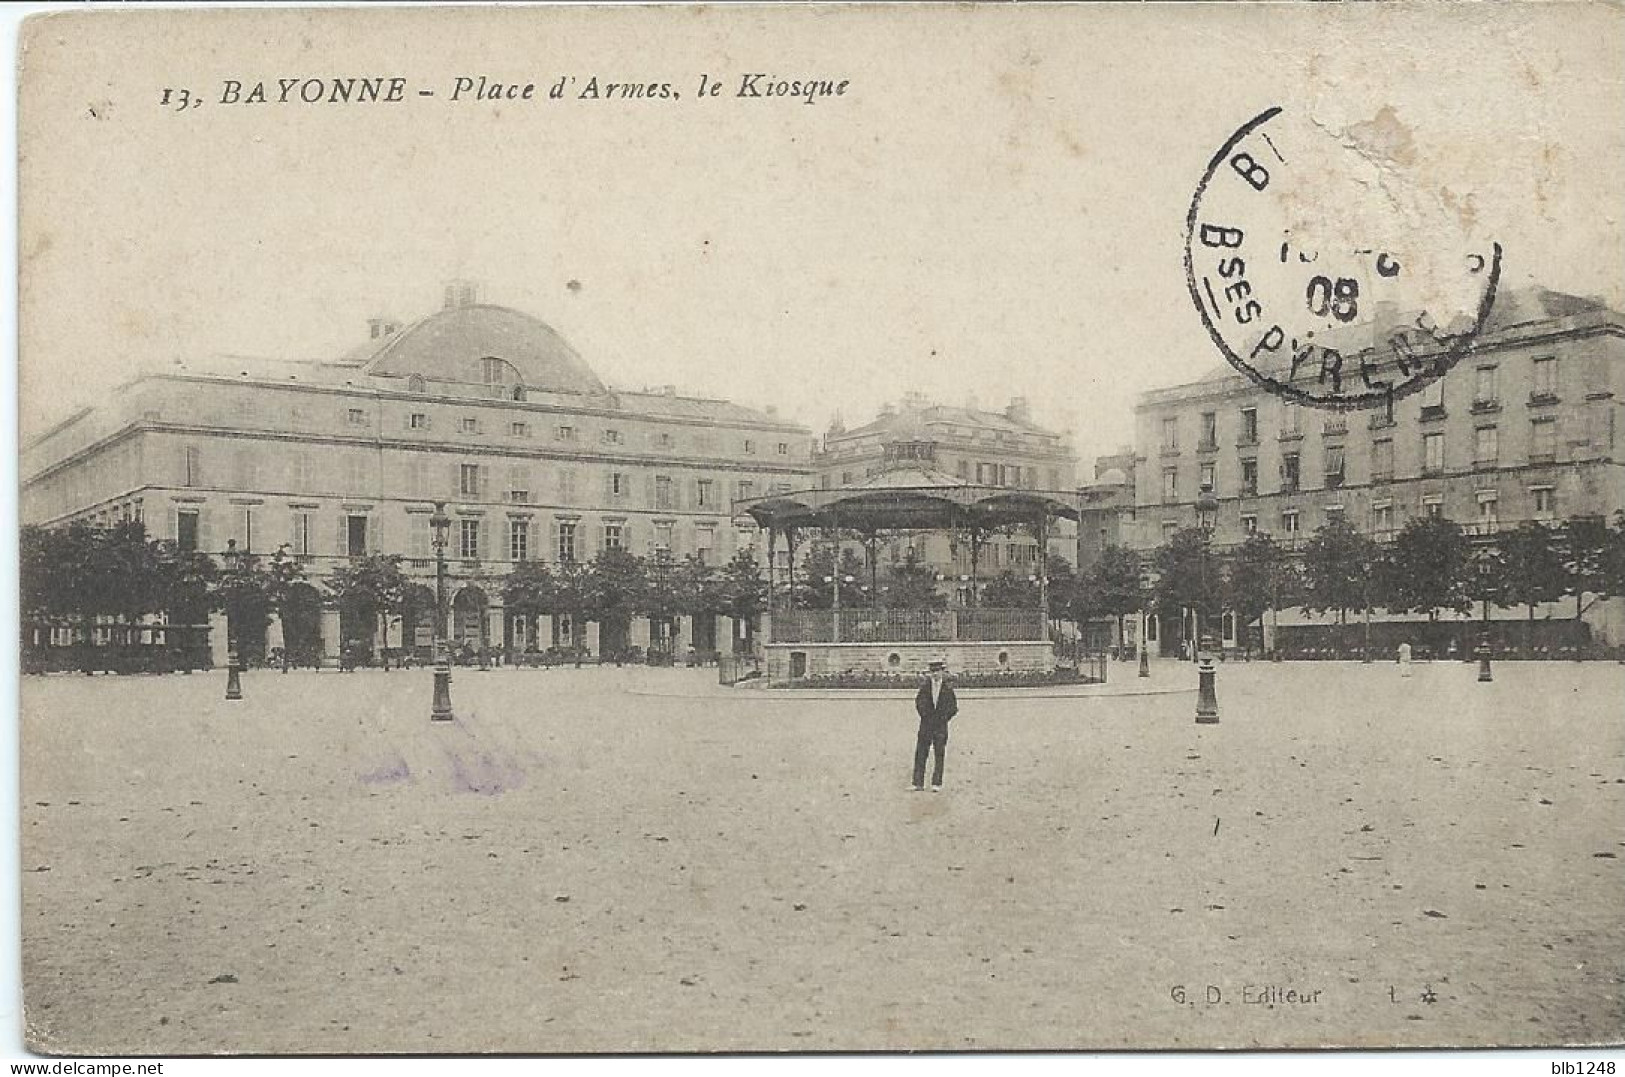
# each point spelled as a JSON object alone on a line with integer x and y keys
{"x": 1019, "y": 678}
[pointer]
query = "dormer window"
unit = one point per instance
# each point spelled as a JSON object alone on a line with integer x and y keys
{"x": 416, "y": 384}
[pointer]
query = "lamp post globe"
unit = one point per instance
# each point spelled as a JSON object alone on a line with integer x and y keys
{"x": 440, "y": 525}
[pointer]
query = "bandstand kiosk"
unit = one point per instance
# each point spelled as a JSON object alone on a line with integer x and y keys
{"x": 909, "y": 494}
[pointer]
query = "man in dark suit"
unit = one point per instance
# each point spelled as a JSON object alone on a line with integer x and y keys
{"x": 936, "y": 704}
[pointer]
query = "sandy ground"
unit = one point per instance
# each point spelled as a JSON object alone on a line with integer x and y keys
{"x": 574, "y": 867}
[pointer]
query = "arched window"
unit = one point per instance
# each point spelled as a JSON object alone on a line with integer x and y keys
{"x": 519, "y": 392}
{"x": 415, "y": 384}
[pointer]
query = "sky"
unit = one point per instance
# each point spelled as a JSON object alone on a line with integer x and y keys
{"x": 994, "y": 208}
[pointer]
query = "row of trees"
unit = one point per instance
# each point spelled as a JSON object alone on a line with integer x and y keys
{"x": 1432, "y": 565}
{"x": 116, "y": 578}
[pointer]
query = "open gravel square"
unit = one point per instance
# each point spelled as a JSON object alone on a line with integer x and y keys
{"x": 638, "y": 860}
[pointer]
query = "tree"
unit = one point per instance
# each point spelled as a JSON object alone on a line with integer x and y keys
{"x": 1009, "y": 591}
{"x": 530, "y": 591}
{"x": 1111, "y": 586}
{"x": 245, "y": 592}
{"x": 573, "y": 595}
{"x": 1532, "y": 570}
{"x": 366, "y": 588}
{"x": 619, "y": 585}
{"x": 1428, "y": 568}
{"x": 1253, "y": 580}
{"x": 1338, "y": 564}
{"x": 1587, "y": 542}
{"x": 912, "y": 585}
{"x": 821, "y": 567}
{"x": 1190, "y": 576}
{"x": 737, "y": 591}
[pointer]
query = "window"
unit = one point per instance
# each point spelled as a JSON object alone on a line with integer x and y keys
{"x": 567, "y": 485}
{"x": 356, "y": 417}
{"x": 1208, "y": 475}
{"x": 1433, "y": 401}
{"x": 1486, "y": 446}
{"x": 987, "y": 474}
{"x": 1334, "y": 466}
{"x": 1545, "y": 368}
{"x": 564, "y": 433}
{"x": 663, "y": 539}
{"x": 518, "y": 486}
{"x": 1169, "y": 529}
{"x": 1545, "y": 498}
{"x": 417, "y": 478}
{"x": 519, "y": 430}
{"x": 416, "y": 384}
{"x": 1249, "y": 425}
{"x": 620, "y": 483}
{"x": 303, "y": 526}
{"x": 186, "y": 529}
{"x": 1289, "y": 523}
{"x": 1484, "y": 386}
{"x": 784, "y": 448}
{"x": 1543, "y": 440}
{"x": 1210, "y": 430}
{"x": 744, "y": 489}
{"x": 469, "y": 425}
{"x": 1432, "y": 454}
{"x": 1290, "y": 471}
{"x": 418, "y": 420}
{"x": 615, "y": 536}
{"x": 1489, "y": 518}
{"x": 1382, "y": 517}
{"x": 1170, "y": 485}
{"x": 304, "y": 472}
{"x": 1249, "y": 524}
{"x": 705, "y": 539}
{"x": 567, "y": 540}
{"x": 422, "y": 535}
{"x": 1382, "y": 460}
{"x": 611, "y": 436}
{"x": 468, "y": 480}
{"x": 1010, "y": 476}
{"x": 496, "y": 372}
{"x": 518, "y": 540}
{"x": 704, "y": 498}
{"x": 1249, "y": 478}
{"x": 1170, "y": 434}
{"x": 191, "y": 466}
{"x": 355, "y": 536}
{"x": 468, "y": 539}
{"x": 750, "y": 446}
{"x": 1433, "y": 505}
{"x": 663, "y": 492}
{"x": 1335, "y": 514}
{"x": 1291, "y": 420}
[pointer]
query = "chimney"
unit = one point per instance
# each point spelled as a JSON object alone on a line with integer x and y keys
{"x": 381, "y": 327}
{"x": 1019, "y": 411}
{"x": 460, "y": 293}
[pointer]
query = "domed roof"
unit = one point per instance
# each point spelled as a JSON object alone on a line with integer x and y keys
{"x": 449, "y": 346}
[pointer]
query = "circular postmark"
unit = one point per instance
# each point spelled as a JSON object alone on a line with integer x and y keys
{"x": 1325, "y": 273}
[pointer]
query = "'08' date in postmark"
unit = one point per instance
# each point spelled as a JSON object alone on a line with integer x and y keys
{"x": 1324, "y": 275}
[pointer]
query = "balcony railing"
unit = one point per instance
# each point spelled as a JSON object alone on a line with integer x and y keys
{"x": 906, "y": 626}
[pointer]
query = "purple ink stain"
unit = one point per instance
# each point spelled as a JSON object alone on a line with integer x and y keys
{"x": 484, "y": 774}
{"x": 397, "y": 771}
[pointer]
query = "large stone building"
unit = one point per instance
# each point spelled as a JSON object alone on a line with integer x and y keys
{"x": 987, "y": 448}
{"x": 1527, "y": 426}
{"x": 481, "y": 407}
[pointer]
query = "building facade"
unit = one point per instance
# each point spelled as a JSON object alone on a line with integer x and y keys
{"x": 479, "y": 407}
{"x": 1527, "y": 426}
{"x": 987, "y": 448}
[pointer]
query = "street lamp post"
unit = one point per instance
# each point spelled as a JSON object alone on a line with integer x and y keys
{"x": 234, "y": 683}
{"x": 441, "y": 524}
{"x": 1207, "y": 702}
